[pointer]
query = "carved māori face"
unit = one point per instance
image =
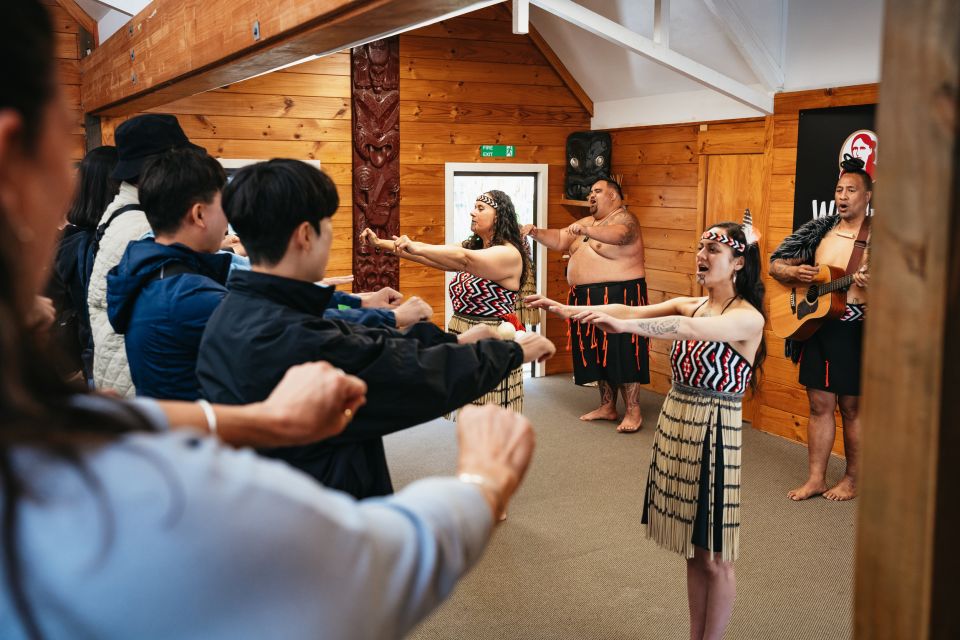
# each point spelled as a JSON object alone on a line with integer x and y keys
{"x": 588, "y": 159}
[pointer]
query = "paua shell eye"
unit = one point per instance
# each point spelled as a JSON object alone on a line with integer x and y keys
{"x": 575, "y": 163}
{"x": 598, "y": 161}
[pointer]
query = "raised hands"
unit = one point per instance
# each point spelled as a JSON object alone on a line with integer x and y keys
{"x": 495, "y": 448}
{"x": 333, "y": 281}
{"x": 384, "y": 298}
{"x": 538, "y": 301}
{"x": 601, "y": 320}
{"x": 312, "y": 402}
{"x": 477, "y": 333}
{"x": 369, "y": 238}
{"x": 536, "y": 348}
{"x": 412, "y": 311}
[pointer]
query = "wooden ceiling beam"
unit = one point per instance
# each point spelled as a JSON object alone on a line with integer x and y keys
{"x": 176, "y": 48}
{"x": 83, "y": 18}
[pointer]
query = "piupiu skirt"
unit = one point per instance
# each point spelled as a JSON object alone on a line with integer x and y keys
{"x": 509, "y": 393}
{"x": 693, "y": 487}
{"x": 616, "y": 358}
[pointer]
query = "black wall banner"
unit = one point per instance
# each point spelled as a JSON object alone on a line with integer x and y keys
{"x": 824, "y": 135}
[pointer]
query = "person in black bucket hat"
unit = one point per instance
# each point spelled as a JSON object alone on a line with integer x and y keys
{"x": 142, "y": 137}
{"x": 138, "y": 139}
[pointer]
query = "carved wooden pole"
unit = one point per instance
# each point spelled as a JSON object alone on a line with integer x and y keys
{"x": 375, "y": 71}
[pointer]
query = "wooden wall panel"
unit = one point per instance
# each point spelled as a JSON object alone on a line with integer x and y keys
{"x": 67, "y": 54}
{"x": 466, "y": 82}
{"x": 301, "y": 112}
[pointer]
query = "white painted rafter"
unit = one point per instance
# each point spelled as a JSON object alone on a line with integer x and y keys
{"x": 745, "y": 38}
{"x": 521, "y": 16}
{"x": 621, "y": 36}
{"x": 661, "y": 22}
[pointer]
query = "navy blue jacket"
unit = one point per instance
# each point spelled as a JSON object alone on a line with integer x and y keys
{"x": 267, "y": 324}
{"x": 163, "y": 316}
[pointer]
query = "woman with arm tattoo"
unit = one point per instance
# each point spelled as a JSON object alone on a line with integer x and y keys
{"x": 692, "y": 499}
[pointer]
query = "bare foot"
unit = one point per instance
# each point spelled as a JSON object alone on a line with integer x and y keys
{"x": 631, "y": 423}
{"x": 808, "y": 490}
{"x": 846, "y": 489}
{"x": 606, "y": 412}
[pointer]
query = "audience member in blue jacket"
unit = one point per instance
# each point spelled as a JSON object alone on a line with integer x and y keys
{"x": 164, "y": 289}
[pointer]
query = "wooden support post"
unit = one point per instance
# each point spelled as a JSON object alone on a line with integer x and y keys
{"x": 907, "y": 561}
{"x": 176, "y": 48}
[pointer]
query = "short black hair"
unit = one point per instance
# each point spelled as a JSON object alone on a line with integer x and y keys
{"x": 267, "y": 201}
{"x": 612, "y": 184}
{"x": 174, "y": 181}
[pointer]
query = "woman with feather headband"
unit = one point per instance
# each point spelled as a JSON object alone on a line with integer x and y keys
{"x": 692, "y": 498}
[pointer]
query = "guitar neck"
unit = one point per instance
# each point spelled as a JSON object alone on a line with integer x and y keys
{"x": 837, "y": 285}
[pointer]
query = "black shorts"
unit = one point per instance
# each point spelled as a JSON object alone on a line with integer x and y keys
{"x": 617, "y": 358}
{"x": 830, "y": 360}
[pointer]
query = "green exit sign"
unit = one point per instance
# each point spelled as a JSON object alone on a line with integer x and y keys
{"x": 497, "y": 151}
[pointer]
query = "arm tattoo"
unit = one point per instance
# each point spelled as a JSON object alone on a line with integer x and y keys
{"x": 628, "y": 220}
{"x": 780, "y": 270}
{"x": 658, "y": 327}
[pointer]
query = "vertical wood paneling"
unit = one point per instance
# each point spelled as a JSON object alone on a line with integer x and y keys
{"x": 466, "y": 82}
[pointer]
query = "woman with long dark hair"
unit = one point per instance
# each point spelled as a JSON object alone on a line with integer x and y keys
{"x": 70, "y": 339}
{"x": 114, "y": 526}
{"x": 493, "y": 272}
{"x": 692, "y": 498}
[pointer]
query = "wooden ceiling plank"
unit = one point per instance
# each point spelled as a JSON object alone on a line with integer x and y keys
{"x": 176, "y": 48}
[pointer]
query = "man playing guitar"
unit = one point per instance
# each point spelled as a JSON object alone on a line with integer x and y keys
{"x": 830, "y": 359}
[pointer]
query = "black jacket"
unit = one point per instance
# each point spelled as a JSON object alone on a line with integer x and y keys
{"x": 266, "y": 324}
{"x": 71, "y": 337}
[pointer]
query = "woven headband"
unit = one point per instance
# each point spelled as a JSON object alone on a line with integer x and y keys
{"x": 484, "y": 198}
{"x": 722, "y": 239}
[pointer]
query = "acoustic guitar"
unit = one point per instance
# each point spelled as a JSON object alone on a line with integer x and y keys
{"x": 796, "y": 312}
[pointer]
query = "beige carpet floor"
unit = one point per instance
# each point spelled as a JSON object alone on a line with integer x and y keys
{"x": 572, "y": 560}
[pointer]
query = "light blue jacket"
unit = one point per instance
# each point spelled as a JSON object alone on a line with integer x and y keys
{"x": 187, "y": 538}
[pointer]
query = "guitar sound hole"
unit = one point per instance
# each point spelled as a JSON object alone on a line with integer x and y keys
{"x": 812, "y": 294}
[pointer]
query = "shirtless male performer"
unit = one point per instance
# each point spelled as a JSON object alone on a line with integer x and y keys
{"x": 606, "y": 266}
{"x": 830, "y": 359}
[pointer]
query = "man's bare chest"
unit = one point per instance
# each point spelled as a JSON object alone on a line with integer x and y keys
{"x": 835, "y": 250}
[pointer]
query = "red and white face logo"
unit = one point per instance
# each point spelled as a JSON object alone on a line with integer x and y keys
{"x": 861, "y": 144}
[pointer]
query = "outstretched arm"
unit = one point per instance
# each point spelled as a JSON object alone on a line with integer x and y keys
{"x": 620, "y": 311}
{"x": 492, "y": 263}
{"x": 735, "y": 326}
{"x": 368, "y": 237}
{"x": 556, "y": 239}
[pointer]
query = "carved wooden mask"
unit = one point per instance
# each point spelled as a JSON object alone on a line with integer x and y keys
{"x": 589, "y": 154}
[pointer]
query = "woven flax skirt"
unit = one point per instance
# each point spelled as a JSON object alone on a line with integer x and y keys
{"x": 686, "y": 440}
{"x": 509, "y": 393}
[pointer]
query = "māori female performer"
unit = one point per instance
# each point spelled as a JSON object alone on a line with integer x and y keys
{"x": 492, "y": 266}
{"x": 692, "y": 498}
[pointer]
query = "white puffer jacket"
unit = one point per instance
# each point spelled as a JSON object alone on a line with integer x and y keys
{"x": 110, "y": 368}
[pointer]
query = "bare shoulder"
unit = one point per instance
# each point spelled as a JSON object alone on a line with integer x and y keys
{"x": 746, "y": 312}
{"x": 686, "y": 306}
{"x": 624, "y": 217}
{"x": 586, "y": 221}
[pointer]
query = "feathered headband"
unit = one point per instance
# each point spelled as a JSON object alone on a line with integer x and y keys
{"x": 749, "y": 233}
